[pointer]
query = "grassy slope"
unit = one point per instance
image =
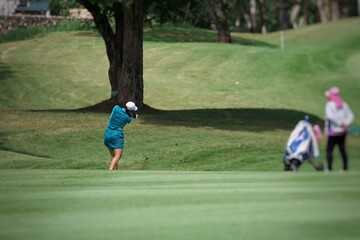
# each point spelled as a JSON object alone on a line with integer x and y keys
{"x": 210, "y": 123}
{"x": 72, "y": 204}
{"x": 315, "y": 58}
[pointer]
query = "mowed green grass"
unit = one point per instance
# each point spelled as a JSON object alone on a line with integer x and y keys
{"x": 205, "y": 121}
{"x": 218, "y": 144}
{"x": 83, "y": 204}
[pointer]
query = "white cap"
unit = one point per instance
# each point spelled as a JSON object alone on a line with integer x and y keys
{"x": 131, "y": 106}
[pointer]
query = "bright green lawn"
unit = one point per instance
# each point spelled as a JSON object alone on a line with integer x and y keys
{"x": 206, "y": 122}
{"x": 160, "y": 141}
{"x": 79, "y": 204}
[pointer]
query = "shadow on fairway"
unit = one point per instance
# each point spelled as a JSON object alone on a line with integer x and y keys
{"x": 236, "y": 119}
{"x": 168, "y": 33}
{"x": 184, "y": 35}
{"x": 5, "y": 72}
{"x": 155, "y": 36}
{"x": 256, "y": 119}
{"x": 7, "y": 149}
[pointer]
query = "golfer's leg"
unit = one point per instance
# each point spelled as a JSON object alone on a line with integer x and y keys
{"x": 116, "y": 165}
{"x": 112, "y": 154}
{"x": 115, "y": 159}
{"x": 329, "y": 152}
{"x": 343, "y": 152}
{"x": 118, "y": 157}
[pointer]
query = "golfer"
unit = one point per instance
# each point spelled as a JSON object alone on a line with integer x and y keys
{"x": 114, "y": 136}
{"x": 338, "y": 117}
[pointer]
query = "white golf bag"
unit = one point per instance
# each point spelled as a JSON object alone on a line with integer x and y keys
{"x": 302, "y": 145}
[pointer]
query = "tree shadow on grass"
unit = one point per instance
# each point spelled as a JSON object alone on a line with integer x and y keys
{"x": 5, "y": 72}
{"x": 209, "y": 38}
{"x": 241, "y": 119}
{"x": 232, "y": 119}
{"x": 185, "y": 34}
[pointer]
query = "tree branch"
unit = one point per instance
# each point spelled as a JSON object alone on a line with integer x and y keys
{"x": 102, "y": 24}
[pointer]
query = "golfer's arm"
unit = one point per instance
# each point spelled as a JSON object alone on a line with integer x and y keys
{"x": 349, "y": 116}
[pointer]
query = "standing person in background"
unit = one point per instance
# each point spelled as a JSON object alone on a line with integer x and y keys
{"x": 338, "y": 117}
{"x": 114, "y": 136}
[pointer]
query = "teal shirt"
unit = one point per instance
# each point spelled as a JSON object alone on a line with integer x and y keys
{"x": 114, "y": 137}
{"x": 118, "y": 119}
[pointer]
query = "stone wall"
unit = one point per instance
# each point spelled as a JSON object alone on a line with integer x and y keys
{"x": 9, "y": 22}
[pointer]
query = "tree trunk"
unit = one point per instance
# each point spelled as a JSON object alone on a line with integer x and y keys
{"x": 294, "y": 15}
{"x": 262, "y": 16}
{"x": 237, "y": 9}
{"x": 187, "y": 12}
{"x": 284, "y": 16}
{"x": 324, "y": 10}
{"x": 131, "y": 77}
{"x": 319, "y": 5}
{"x": 344, "y": 8}
{"x": 335, "y": 10}
{"x": 305, "y": 13}
{"x": 253, "y": 15}
{"x": 246, "y": 17}
{"x": 123, "y": 48}
{"x": 278, "y": 14}
{"x": 327, "y": 9}
{"x": 217, "y": 14}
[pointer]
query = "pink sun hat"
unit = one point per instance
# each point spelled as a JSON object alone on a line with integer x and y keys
{"x": 333, "y": 94}
{"x": 334, "y": 91}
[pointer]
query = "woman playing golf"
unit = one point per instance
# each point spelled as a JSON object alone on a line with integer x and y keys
{"x": 114, "y": 137}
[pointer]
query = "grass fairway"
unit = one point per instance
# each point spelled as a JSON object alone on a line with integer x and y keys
{"x": 79, "y": 204}
{"x": 210, "y": 152}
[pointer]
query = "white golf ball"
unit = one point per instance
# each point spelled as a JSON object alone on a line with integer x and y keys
{"x": 237, "y": 82}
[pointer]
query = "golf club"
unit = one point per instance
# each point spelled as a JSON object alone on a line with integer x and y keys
{"x": 318, "y": 167}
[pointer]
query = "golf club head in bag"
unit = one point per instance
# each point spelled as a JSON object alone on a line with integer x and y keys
{"x": 319, "y": 167}
{"x": 293, "y": 165}
{"x": 287, "y": 167}
{"x": 286, "y": 164}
